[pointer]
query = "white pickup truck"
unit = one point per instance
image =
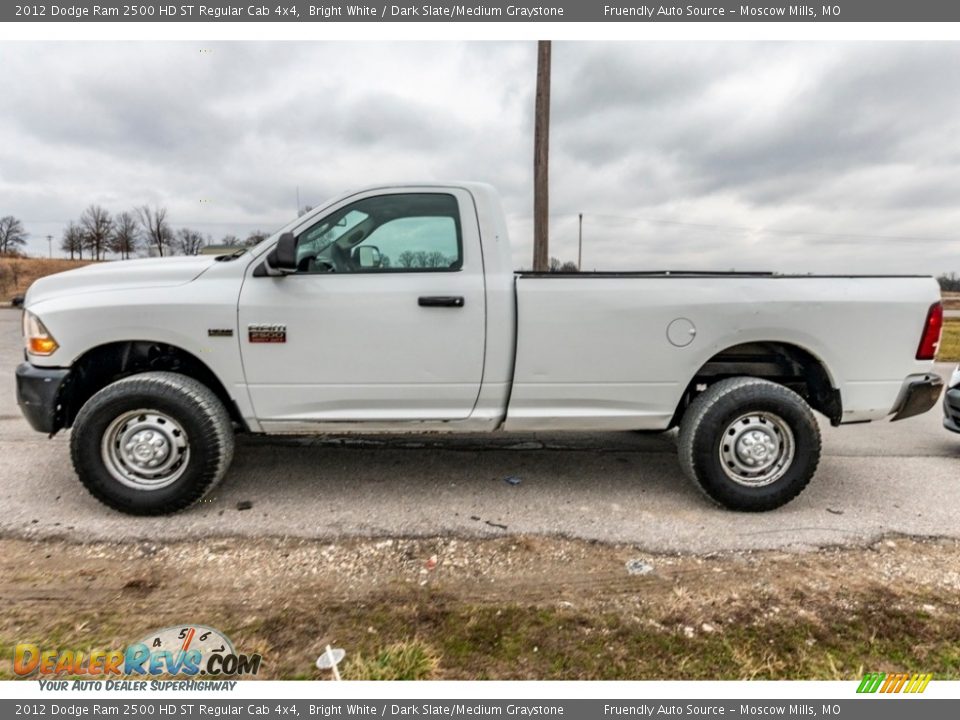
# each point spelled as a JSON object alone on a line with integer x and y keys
{"x": 396, "y": 309}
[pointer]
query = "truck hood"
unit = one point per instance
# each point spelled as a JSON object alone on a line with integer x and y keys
{"x": 119, "y": 275}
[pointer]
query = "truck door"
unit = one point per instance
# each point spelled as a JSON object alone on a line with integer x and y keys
{"x": 383, "y": 321}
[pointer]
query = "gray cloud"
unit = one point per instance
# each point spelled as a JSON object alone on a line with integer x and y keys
{"x": 785, "y": 156}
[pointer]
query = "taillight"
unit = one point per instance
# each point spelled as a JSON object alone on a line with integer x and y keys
{"x": 931, "y": 333}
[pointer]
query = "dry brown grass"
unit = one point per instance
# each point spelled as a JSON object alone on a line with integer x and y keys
{"x": 16, "y": 274}
{"x": 406, "y": 660}
{"x": 493, "y": 609}
{"x": 950, "y": 341}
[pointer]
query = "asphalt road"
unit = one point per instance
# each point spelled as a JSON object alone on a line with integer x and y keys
{"x": 874, "y": 480}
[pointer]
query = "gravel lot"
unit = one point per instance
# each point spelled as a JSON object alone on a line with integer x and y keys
{"x": 874, "y": 480}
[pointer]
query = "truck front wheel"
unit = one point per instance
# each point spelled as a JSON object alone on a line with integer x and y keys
{"x": 749, "y": 444}
{"x": 152, "y": 443}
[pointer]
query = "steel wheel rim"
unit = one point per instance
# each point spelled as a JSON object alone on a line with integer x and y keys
{"x": 757, "y": 449}
{"x": 145, "y": 449}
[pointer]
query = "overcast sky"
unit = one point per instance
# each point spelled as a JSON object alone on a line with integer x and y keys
{"x": 793, "y": 157}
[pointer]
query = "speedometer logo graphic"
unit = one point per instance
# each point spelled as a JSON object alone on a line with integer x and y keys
{"x": 184, "y": 638}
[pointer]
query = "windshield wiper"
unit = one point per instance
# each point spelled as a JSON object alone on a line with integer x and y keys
{"x": 231, "y": 256}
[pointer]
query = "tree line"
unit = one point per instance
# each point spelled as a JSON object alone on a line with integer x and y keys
{"x": 145, "y": 230}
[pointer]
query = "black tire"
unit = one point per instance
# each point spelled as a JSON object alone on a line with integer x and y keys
{"x": 152, "y": 412}
{"x": 720, "y": 430}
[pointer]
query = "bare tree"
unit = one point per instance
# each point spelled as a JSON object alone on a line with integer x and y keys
{"x": 155, "y": 227}
{"x": 72, "y": 240}
{"x": 437, "y": 259}
{"x": 97, "y": 226}
{"x": 126, "y": 235}
{"x": 12, "y": 235}
{"x": 557, "y": 266}
{"x": 230, "y": 240}
{"x": 189, "y": 242}
{"x": 949, "y": 282}
{"x": 421, "y": 259}
{"x": 255, "y": 237}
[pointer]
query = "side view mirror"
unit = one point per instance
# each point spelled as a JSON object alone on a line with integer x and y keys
{"x": 282, "y": 260}
{"x": 367, "y": 256}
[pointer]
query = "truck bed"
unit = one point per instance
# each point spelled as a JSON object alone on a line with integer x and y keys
{"x": 600, "y": 352}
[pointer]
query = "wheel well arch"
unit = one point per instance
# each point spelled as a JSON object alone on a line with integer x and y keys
{"x": 784, "y": 363}
{"x": 101, "y": 365}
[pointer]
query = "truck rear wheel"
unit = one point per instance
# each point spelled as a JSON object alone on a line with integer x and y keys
{"x": 152, "y": 443}
{"x": 749, "y": 444}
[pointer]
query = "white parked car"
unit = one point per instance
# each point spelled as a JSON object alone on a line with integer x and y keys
{"x": 396, "y": 309}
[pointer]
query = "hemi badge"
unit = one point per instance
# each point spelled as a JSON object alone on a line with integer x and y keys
{"x": 267, "y": 333}
{"x": 220, "y": 332}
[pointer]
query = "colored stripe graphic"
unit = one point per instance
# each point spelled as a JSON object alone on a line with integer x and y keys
{"x": 871, "y": 682}
{"x": 921, "y": 683}
{"x": 894, "y": 683}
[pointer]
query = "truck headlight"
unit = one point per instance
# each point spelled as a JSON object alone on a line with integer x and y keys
{"x": 36, "y": 337}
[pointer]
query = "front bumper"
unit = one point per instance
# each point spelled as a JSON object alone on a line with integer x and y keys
{"x": 919, "y": 395}
{"x": 38, "y": 395}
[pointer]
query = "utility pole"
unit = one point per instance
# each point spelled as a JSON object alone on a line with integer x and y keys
{"x": 541, "y": 152}
{"x": 50, "y": 245}
{"x": 580, "y": 246}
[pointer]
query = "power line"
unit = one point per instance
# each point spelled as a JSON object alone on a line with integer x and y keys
{"x": 580, "y": 244}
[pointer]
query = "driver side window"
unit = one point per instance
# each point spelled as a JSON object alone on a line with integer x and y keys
{"x": 412, "y": 232}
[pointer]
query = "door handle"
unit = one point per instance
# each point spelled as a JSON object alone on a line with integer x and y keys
{"x": 440, "y": 301}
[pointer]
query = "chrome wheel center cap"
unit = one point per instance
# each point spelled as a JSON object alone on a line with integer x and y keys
{"x": 145, "y": 449}
{"x": 757, "y": 448}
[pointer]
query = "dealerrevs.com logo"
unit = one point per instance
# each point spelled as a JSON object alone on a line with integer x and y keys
{"x": 184, "y": 650}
